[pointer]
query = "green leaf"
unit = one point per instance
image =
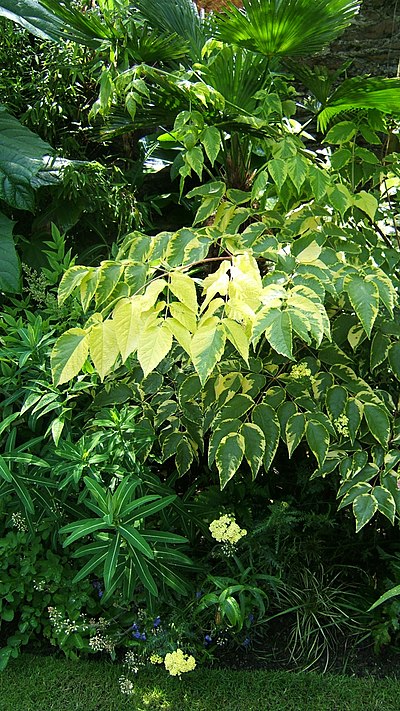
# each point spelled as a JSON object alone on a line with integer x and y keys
{"x": 5, "y": 473}
{"x": 336, "y": 400}
{"x": 378, "y": 423}
{"x": 278, "y": 170}
{"x": 81, "y": 528}
{"x": 92, "y": 564}
{"x": 364, "y": 507}
{"x": 25, "y": 163}
{"x": 211, "y": 140}
{"x": 207, "y": 347}
{"x": 9, "y": 263}
{"x": 143, "y": 572}
{"x": 195, "y": 159}
{"x": 340, "y": 198}
{"x": 297, "y": 169}
{"x": 394, "y": 359}
{"x": 237, "y": 336}
{"x": 393, "y": 592}
{"x": 319, "y": 182}
{"x": 69, "y": 355}
{"x": 228, "y": 457}
{"x": 379, "y": 349}
{"x": 70, "y": 281}
{"x": 367, "y": 203}
{"x": 264, "y": 416}
{"x": 224, "y": 428}
{"x": 386, "y": 502}
{"x": 354, "y": 413}
{"x": 110, "y": 563}
{"x": 103, "y": 347}
{"x": 277, "y": 328}
{"x": 136, "y": 540}
{"x": 355, "y": 490}
{"x": 364, "y": 298}
{"x": 342, "y": 132}
{"x": 295, "y": 431}
{"x": 127, "y": 328}
{"x": 318, "y": 440}
{"x": 254, "y": 446}
{"x": 184, "y": 456}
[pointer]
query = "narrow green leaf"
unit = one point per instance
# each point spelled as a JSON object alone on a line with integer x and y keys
{"x": 318, "y": 440}
{"x": 143, "y": 572}
{"x": 265, "y": 417}
{"x": 89, "y": 567}
{"x": 254, "y": 443}
{"x": 393, "y": 592}
{"x": 136, "y": 540}
{"x": 111, "y": 561}
{"x": 81, "y": 528}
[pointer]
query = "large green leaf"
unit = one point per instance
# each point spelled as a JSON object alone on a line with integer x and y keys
{"x": 9, "y": 263}
{"x": 264, "y": 416}
{"x": 378, "y": 422}
{"x": 179, "y": 17}
{"x": 378, "y": 93}
{"x": 254, "y": 442}
{"x": 207, "y": 347}
{"x": 26, "y": 162}
{"x": 54, "y": 20}
{"x": 318, "y": 440}
{"x": 281, "y": 28}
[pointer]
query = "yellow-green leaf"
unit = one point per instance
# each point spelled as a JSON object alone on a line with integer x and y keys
{"x": 184, "y": 288}
{"x": 207, "y": 348}
{"x": 69, "y": 354}
{"x": 103, "y": 347}
{"x": 155, "y": 342}
{"x": 237, "y": 336}
{"x": 127, "y": 327}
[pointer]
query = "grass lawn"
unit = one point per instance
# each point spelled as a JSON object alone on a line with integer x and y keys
{"x": 33, "y": 683}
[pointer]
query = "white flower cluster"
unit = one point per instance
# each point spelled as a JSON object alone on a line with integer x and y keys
{"x": 63, "y": 624}
{"x": 126, "y": 686}
{"x": 101, "y": 643}
{"x": 225, "y": 530}
{"x": 133, "y": 662}
{"x": 18, "y": 521}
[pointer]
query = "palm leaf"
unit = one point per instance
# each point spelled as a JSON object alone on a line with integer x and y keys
{"x": 365, "y": 93}
{"x": 178, "y": 17}
{"x": 286, "y": 28}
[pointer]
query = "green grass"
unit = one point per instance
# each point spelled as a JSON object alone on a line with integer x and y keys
{"x": 33, "y": 683}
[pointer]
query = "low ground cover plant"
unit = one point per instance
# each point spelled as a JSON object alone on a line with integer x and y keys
{"x": 200, "y": 432}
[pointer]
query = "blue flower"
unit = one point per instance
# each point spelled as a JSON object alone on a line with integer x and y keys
{"x": 157, "y": 622}
{"x": 136, "y": 635}
{"x": 207, "y": 639}
{"x": 143, "y": 636}
{"x": 199, "y": 594}
{"x": 246, "y": 642}
{"x": 134, "y": 627}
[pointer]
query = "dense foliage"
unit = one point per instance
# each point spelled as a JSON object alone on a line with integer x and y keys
{"x": 200, "y": 433}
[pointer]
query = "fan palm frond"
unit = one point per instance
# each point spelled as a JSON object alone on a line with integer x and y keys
{"x": 54, "y": 20}
{"x": 285, "y": 28}
{"x": 149, "y": 46}
{"x": 179, "y": 17}
{"x": 237, "y": 74}
{"x": 382, "y": 94}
